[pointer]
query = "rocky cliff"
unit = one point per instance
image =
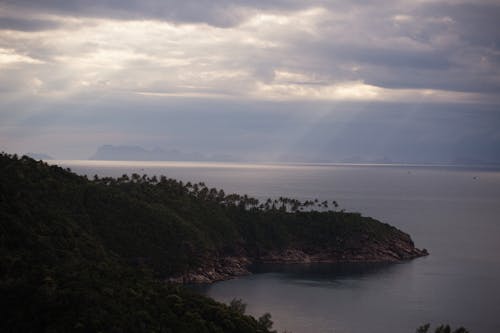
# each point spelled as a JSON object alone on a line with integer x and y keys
{"x": 364, "y": 249}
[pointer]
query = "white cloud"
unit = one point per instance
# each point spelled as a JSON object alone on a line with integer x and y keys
{"x": 362, "y": 92}
{"x": 11, "y": 57}
{"x": 402, "y": 18}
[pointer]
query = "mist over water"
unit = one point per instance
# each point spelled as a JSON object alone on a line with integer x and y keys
{"x": 453, "y": 212}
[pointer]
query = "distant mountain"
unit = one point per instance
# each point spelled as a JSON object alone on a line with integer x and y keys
{"x": 137, "y": 153}
{"x": 39, "y": 156}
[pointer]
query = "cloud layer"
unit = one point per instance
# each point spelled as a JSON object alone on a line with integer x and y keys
{"x": 282, "y": 54}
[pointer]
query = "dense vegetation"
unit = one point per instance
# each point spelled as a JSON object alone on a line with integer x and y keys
{"x": 62, "y": 266}
{"x": 441, "y": 329}
{"x": 79, "y": 254}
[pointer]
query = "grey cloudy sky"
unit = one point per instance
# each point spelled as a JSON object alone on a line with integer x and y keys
{"x": 263, "y": 80}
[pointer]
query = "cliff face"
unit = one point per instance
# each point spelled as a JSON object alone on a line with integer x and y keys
{"x": 358, "y": 248}
{"x": 220, "y": 267}
{"x": 348, "y": 238}
{"x": 215, "y": 269}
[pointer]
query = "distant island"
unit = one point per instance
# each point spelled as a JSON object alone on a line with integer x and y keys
{"x": 108, "y": 253}
{"x": 137, "y": 153}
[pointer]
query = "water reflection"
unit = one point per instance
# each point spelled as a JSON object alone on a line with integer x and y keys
{"x": 325, "y": 271}
{"x": 321, "y": 297}
{"x": 321, "y": 275}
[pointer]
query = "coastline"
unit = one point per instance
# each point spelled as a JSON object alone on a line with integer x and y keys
{"x": 229, "y": 267}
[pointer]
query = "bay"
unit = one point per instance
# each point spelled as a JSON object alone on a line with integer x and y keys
{"x": 452, "y": 211}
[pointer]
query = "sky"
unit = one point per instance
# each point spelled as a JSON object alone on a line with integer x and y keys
{"x": 308, "y": 81}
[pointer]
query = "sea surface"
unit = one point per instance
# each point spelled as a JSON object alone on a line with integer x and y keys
{"x": 454, "y": 212}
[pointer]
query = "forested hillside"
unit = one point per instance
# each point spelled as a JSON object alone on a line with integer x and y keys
{"x": 90, "y": 255}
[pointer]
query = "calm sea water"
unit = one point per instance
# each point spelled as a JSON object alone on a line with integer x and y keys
{"x": 453, "y": 212}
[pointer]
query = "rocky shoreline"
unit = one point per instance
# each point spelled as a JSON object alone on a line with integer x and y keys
{"x": 227, "y": 267}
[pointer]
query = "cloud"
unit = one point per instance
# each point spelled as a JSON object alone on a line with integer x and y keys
{"x": 20, "y": 24}
{"x": 93, "y": 57}
{"x": 9, "y": 56}
{"x": 220, "y": 13}
{"x": 157, "y": 57}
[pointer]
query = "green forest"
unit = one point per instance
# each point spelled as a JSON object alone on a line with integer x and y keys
{"x": 93, "y": 255}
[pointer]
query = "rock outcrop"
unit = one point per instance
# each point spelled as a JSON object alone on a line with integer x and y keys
{"x": 362, "y": 249}
{"x": 217, "y": 269}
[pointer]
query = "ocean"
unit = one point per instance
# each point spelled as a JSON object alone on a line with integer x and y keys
{"x": 453, "y": 212}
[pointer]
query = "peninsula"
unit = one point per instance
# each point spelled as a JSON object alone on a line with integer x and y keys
{"x": 96, "y": 253}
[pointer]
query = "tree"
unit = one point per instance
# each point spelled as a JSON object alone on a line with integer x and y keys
{"x": 423, "y": 328}
{"x": 440, "y": 329}
{"x": 237, "y": 305}
{"x": 265, "y": 322}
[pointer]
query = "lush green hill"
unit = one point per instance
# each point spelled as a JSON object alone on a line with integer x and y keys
{"x": 80, "y": 254}
{"x": 64, "y": 259}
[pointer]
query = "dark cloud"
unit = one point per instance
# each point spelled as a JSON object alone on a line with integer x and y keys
{"x": 430, "y": 46}
{"x": 380, "y": 55}
{"x": 222, "y": 13}
{"x": 476, "y": 23}
{"x": 20, "y": 24}
{"x": 397, "y": 58}
{"x": 450, "y": 80}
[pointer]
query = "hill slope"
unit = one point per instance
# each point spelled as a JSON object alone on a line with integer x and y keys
{"x": 89, "y": 255}
{"x": 59, "y": 274}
